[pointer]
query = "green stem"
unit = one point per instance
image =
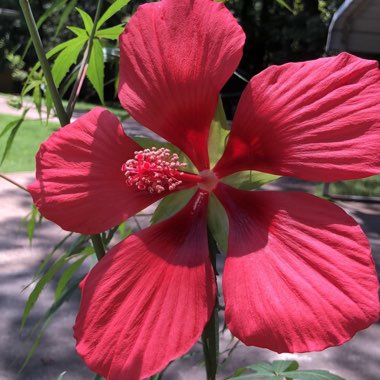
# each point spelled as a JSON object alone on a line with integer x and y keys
{"x": 33, "y": 30}
{"x": 13, "y": 182}
{"x": 210, "y": 336}
{"x": 63, "y": 117}
{"x": 98, "y": 246}
{"x": 84, "y": 65}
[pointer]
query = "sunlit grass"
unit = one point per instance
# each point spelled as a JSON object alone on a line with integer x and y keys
{"x": 31, "y": 134}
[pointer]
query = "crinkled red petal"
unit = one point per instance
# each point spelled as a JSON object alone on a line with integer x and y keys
{"x": 147, "y": 301}
{"x": 299, "y": 274}
{"x": 175, "y": 56}
{"x": 316, "y": 120}
{"x": 79, "y": 183}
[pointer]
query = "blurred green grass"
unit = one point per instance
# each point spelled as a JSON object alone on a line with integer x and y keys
{"x": 366, "y": 187}
{"x": 31, "y": 134}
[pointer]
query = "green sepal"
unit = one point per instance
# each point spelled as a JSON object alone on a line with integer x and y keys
{"x": 217, "y": 221}
{"x": 249, "y": 179}
{"x": 172, "y": 204}
{"x": 218, "y": 134}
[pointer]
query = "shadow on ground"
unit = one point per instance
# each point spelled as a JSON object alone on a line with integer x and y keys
{"x": 357, "y": 360}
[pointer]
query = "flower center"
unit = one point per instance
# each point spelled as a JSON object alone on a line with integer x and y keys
{"x": 209, "y": 180}
{"x": 154, "y": 170}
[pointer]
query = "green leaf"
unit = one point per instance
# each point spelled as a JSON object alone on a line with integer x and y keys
{"x": 312, "y": 375}
{"x": 79, "y": 32}
{"x": 14, "y": 126}
{"x": 87, "y": 20}
{"x": 55, "y": 7}
{"x": 66, "y": 58}
{"x": 285, "y": 368}
{"x": 113, "y": 9}
{"x": 110, "y": 33}
{"x": 249, "y": 179}
{"x": 65, "y": 15}
{"x": 60, "y": 377}
{"x": 70, "y": 272}
{"x": 44, "y": 280}
{"x": 32, "y": 223}
{"x": 218, "y": 134}
{"x": 47, "y": 318}
{"x": 37, "y": 99}
{"x": 95, "y": 71}
{"x": 284, "y": 4}
{"x": 124, "y": 231}
{"x": 217, "y": 221}
{"x": 49, "y": 257}
{"x": 172, "y": 204}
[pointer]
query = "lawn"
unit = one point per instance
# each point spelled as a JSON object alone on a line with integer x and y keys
{"x": 26, "y": 143}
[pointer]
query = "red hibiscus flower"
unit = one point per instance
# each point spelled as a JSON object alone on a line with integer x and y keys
{"x": 298, "y": 275}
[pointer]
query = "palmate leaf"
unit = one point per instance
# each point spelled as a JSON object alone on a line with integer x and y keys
{"x": 95, "y": 71}
{"x": 66, "y": 58}
{"x": 112, "y": 10}
{"x": 280, "y": 369}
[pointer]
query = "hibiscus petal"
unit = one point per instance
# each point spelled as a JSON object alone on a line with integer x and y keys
{"x": 80, "y": 185}
{"x": 316, "y": 120}
{"x": 299, "y": 275}
{"x": 175, "y": 56}
{"x": 147, "y": 301}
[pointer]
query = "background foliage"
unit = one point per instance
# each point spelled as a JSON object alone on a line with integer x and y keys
{"x": 274, "y": 34}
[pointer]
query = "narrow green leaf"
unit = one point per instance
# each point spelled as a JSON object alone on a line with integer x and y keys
{"x": 70, "y": 272}
{"x": 95, "y": 71}
{"x": 37, "y": 99}
{"x": 65, "y": 15}
{"x": 98, "y": 377}
{"x": 32, "y": 224}
{"x": 249, "y": 179}
{"x": 113, "y": 9}
{"x": 110, "y": 33}
{"x": 49, "y": 256}
{"x": 87, "y": 20}
{"x": 66, "y": 58}
{"x": 172, "y": 204}
{"x": 284, "y": 4}
{"x": 31, "y": 86}
{"x": 217, "y": 221}
{"x": 218, "y": 134}
{"x": 60, "y": 377}
{"x": 79, "y": 32}
{"x": 44, "y": 280}
{"x": 55, "y": 7}
{"x": 47, "y": 318}
{"x": 14, "y": 129}
{"x": 8, "y": 127}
